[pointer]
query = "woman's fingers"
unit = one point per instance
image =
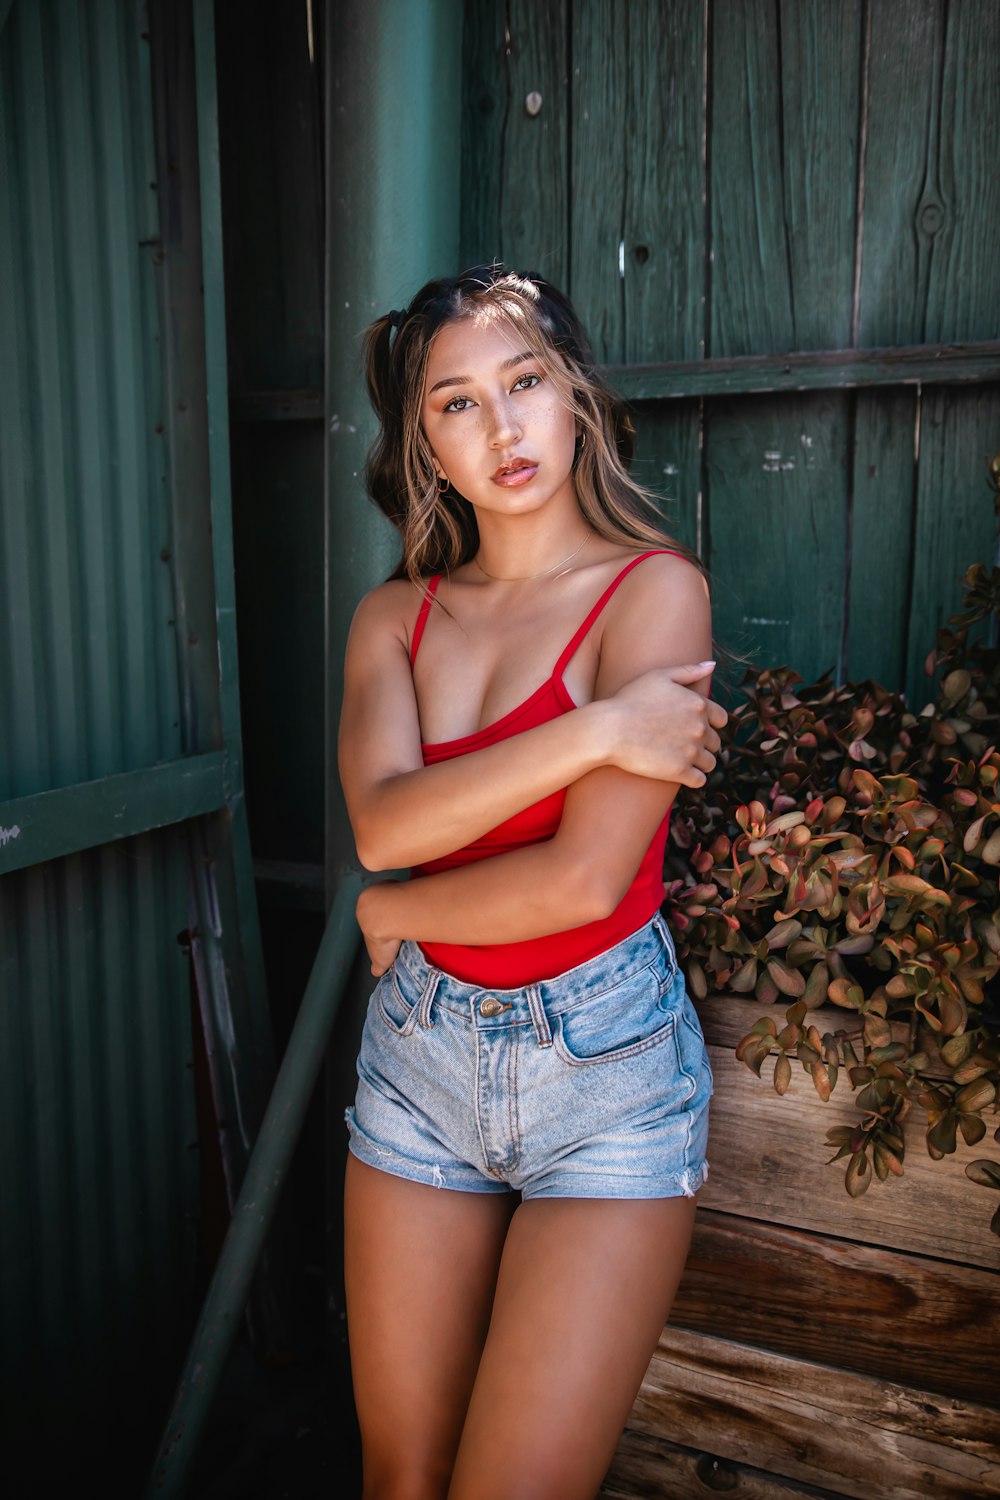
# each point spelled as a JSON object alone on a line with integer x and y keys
{"x": 672, "y": 731}
{"x": 690, "y": 672}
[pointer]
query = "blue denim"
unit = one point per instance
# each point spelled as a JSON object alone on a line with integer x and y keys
{"x": 594, "y": 1084}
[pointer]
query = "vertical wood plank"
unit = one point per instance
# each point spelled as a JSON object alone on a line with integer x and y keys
{"x": 963, "y": 299}
{"x": 484, "y": 108}
{"x": 668, "y": 463}
{"x": 637, "y": 213}
{"x": 783, "y": 174}
{"x": 600, "y": 132}
{"x": 534, "y": 178}
{"x": 664, "y": 204}
{"x": 783, "y": 163}
{"x": 954, "y": 526}
{"x": 777, "y": 525}
{"x": 900, "y": 191}
{"x": 751, "y": 296}
{"x": 819, "y": 82}
{"x": 881, "y": 525}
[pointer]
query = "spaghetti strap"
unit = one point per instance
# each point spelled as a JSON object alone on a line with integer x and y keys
{"x": 577, "y": 640}
{"x": 425, "y": 607}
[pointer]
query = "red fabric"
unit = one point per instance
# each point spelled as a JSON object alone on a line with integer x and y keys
{"x": 510, "y": 965}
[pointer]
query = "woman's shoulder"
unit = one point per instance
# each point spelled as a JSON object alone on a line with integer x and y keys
{"x": 650, "y": 567}
{"x": 655, "y": 575}
{"x": 390, "y": 608}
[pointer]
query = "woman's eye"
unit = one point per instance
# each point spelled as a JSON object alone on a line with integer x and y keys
{"x": 525, "y": 382}
{"x": 457, "y": 403}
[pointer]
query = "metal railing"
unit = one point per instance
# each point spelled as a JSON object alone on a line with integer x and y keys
{"x": 265, "y": 1176}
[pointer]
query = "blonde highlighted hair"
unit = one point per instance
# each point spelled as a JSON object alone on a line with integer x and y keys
{"x": 438, "y": 529}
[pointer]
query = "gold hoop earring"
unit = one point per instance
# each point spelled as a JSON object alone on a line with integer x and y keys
{"x": 444, "y": 484}
{"x": 581, "y": 441}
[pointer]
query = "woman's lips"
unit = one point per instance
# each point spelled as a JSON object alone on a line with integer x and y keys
{"x": 519, "y": 475}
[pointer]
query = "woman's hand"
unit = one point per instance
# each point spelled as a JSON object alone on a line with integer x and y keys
{"x": 666, "y": 727}
{"x": 381, "y": 950}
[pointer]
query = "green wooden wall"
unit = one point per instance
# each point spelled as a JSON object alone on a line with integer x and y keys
{"x": 723, "y": 183}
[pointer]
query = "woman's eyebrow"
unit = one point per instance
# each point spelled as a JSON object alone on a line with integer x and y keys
{"x": 508, "y": 364}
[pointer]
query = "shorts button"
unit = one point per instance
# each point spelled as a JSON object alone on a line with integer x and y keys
{"x": 491, "y": 1006}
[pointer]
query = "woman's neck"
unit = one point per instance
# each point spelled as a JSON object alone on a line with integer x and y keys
{"x": 520, "y": 548}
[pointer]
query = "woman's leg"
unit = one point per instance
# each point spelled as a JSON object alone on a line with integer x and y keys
{"x": 585, "y": 1287}
{"x": 421, "y": 1267}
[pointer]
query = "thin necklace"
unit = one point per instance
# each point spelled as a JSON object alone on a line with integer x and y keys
{"x": 530, "y": 577}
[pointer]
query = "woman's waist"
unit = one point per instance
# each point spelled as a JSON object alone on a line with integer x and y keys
{"x": 532, "y": 960}
{"x": 511, "y": 1004}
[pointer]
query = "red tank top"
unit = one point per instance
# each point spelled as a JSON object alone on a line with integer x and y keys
{"x": 510, "y": 965}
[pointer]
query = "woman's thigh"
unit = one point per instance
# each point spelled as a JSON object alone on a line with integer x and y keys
{"x": 584, "y": 1290}
{"x": 421, "y": 1267}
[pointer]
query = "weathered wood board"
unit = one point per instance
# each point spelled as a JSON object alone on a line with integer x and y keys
{"x": 650, "y": 1468}
{"x": 668, "y": 462}
{"x": 883, "y": 481}
{"x": 825, "y": 1298}
{"x": 783, "y": 148}
{"x": 638, "y": 205}
{"x": 809, "y": 1422}
{"x": 769, "y": 1162}
{"x": 776, "y": 528}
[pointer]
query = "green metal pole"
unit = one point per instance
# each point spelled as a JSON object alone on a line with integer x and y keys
{"x": 265, "y": 1175}
{"x": 393, "y": 78}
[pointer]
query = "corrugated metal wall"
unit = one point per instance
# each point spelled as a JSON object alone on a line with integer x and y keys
{"x": 96, "y": 1131}
{"x": 88, "y": 678}
{"x": 96, "y": 1112}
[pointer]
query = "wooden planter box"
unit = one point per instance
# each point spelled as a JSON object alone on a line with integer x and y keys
{"x": 818, "y": 1342}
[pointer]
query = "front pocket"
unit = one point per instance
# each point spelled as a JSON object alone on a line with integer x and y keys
{"x": 397, "y": 1012}
{"x": 618, "y": 1024}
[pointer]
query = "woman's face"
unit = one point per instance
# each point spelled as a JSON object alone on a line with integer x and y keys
{"x": 499, "y": 429}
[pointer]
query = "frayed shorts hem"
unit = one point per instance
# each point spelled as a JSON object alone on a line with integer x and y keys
{"x": 457, "y": 1177}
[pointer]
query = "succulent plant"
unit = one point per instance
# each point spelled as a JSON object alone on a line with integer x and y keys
{"x": 847, "y": 850}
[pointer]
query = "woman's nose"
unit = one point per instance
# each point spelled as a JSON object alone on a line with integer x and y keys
{"x": 505, "y": 428}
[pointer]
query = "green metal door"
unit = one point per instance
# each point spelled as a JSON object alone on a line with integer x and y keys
{"x": 123, "y": 850}
{"x": 779, "y": 222}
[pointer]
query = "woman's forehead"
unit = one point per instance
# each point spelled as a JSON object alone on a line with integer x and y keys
{"x": 476, "y": 343}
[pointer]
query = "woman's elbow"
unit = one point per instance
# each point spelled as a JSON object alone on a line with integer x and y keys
{"x": 598, "y": 889}
{"x": 374, "y": 845}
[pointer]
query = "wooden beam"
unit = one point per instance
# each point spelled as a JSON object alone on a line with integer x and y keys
{"x": 649, "y": 1468}
{"x": 51, "y": 824}
{"x": 848, "y": 1433}
{"x": 834, "y": 369}
{"x": 760, "y": 1284}
{"x": 769, "y": 1161}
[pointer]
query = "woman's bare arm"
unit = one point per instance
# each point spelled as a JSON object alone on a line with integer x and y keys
{"x": 404, "y": 813}
{"x": 609, "y": 819}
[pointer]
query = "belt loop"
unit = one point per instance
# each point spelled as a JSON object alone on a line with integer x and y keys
{"x": 540, "y": 1021}
{"x": 426, "y": 999}
{"x": 666, "y": 937}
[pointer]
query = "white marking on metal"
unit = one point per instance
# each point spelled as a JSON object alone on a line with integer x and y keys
{"x": 762, "y": 620}
{"x": 6, "y": 834}
{"x": 621, "y": 259}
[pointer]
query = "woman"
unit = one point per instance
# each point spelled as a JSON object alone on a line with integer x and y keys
{"x": 529, "y": 1129}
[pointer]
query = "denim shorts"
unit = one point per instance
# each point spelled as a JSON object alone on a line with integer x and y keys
{"x": 594, "y": 1084}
